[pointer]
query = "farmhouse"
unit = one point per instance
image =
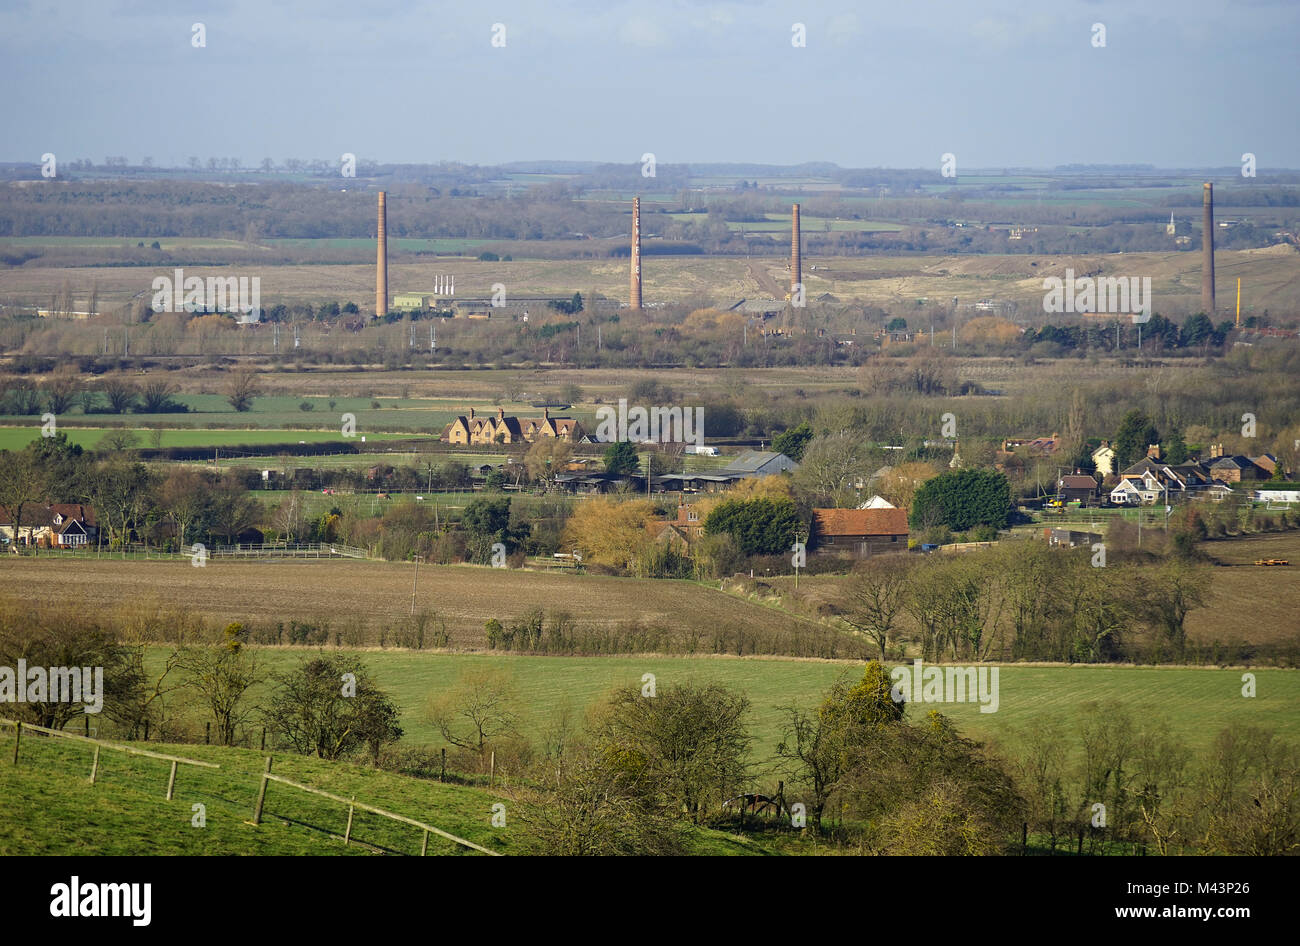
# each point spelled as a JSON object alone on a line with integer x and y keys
{"x": 859, "y": 533}
{"x": 1236, "y": 469}
{"x": 61, "y": 525}
{"x": 1150, "y": 480}
{"x": 1076, "y": 487}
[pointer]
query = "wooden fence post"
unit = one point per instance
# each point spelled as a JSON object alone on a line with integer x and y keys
{"x": 94, "y": 766}
{"x": 424, "y": 847}
{"x": 18, "y": 737}
{"x": 86, "y": 716}
{"x": 347, "y": 835}
{"x": 207, "y": 733}
{"x": 263, "y": 738}
{"x": 146, "y": 730}
{"x": 443, "y": 776}
{"x": 171, "y": 782}
{"x": 492, "y": 768}
{"x": 261, "y": 793}
{"x": 1024, "y": 838}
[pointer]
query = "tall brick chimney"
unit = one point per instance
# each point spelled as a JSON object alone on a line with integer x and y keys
{"x": 635, "y": 294}
{"x": 796, "y": 261}
{"x": 1207, "y": 250}
{"x": 381, "y": 266}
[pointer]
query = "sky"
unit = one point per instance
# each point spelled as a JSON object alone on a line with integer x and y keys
{"x": 996, "y": 83}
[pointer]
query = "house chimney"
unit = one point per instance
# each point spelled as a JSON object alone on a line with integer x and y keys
{"x": 471, "y": 413}
{"x": 381, "y": 264}
{"x": 635, "y": 295}
{"x": 1153, "y": 451}
{"x": 546, "y": 413}
{"x": 1207, "y": 251}
{"x": 501, "y": 413}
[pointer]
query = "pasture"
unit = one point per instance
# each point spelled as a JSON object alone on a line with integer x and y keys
{"x": 1197, "y": 703}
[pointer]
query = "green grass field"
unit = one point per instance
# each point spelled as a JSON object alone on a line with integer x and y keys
{"x": 51, "y": 807}
{"x": 15, "y": 438}
{"x": 397, "y": 413}
{"x": 1196, "y": 703}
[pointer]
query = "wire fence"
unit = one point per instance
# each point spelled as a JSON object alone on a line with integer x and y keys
{"x": 232, "y": 789}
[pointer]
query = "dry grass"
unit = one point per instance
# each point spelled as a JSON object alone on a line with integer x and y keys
{"x": 1268, "y": 276}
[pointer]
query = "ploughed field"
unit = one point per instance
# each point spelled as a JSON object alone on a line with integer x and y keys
{"x": 378, "y": 593}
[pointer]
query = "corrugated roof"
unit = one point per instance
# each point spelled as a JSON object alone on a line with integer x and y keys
{"x": 751, "y": 461}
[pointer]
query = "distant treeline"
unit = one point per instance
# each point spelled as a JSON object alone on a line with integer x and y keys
{"x": 560, "y": 211}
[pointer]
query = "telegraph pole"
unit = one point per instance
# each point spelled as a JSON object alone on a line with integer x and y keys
{"x": 416, "y": 582}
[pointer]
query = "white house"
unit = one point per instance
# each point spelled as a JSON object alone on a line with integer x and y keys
{"x": 1144, "y": 490}
{"x": 1104, "y": 459}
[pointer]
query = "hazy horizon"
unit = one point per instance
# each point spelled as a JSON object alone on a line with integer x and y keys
{"x": 1177, "y": 85}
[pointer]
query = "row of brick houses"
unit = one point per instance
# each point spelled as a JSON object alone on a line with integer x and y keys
{"x": 60, "y": 525}
{"x": 503, "y": 428}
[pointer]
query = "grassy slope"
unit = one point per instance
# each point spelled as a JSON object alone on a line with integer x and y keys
{"x": 50, "y": 807}
{"x": 1197, "y": 703}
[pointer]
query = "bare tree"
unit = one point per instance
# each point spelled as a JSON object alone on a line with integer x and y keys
{"x": 156, "y": 396}
{"x": 242, "y": 388}
{"x": 121, "y": 395}
{"x": 61, "y": 389}
{"x": 22, "y": 484}
{"x": 222, "y": 676}
{"x": 480, "y": 708}
{"x": 183, "y": 497}
{"x": 878, "y": 598}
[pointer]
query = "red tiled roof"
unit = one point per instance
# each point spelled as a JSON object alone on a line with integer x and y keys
{"x": 36, "y": 514}
{"x": 860, "y": 521}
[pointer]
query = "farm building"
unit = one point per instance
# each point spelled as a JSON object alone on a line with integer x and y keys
{"x": 859, "y": 533}
{"x": 410, "y": 300}
{"x": 1069, "y": 538}
{"x": 759, "y": 463}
